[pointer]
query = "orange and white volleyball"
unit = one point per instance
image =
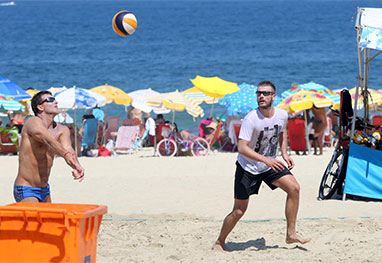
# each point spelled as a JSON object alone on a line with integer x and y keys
{"x": 124, "y": 23}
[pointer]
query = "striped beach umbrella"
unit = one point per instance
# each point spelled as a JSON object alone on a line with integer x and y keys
{"x": 7, "y": 104}
{"x": 197, "y": 97}
{"x": 243, "y": 100}
{"x": 175, "y": 101}
{"x": 140, "y": 98}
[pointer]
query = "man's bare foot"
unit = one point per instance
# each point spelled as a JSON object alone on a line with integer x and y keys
{"x": 296, "y": 239}
{"x": 218, "y": 247}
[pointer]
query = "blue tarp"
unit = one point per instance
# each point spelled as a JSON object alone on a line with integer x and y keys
{"x": 364, "y": 172}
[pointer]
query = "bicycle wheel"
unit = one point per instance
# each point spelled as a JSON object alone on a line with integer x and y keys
{"x": 166, "y": 148}
{"x": 200, "y": 147}
{"x": 334, "y": 175}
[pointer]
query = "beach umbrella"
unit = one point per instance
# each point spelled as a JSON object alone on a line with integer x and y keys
{"x": 175, "y": 101}
{"x": 11, "y": 90}
{"x": 214, "y": 87}
{"x": 112, "y": 94}
{"x": 312, "y": 86}
{"x": 140, "y": 98}
{"x": 197, "y": 97}
{"x": 7, "y": 104}
{"x": 243, "y": 100}
{"x": 77, "y": 98}
{"x": 304, "y": 100}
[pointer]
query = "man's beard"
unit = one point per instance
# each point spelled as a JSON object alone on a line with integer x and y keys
{"x": 267, "y": 106}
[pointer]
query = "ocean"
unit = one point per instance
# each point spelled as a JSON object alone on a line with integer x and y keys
{"x": 57, "y": 43}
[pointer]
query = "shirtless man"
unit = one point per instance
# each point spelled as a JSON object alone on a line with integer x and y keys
{"x": 42, "y": 139}
{"x": 319, "y": 126}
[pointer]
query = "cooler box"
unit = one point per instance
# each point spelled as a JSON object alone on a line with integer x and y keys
{"x": 43, "y": 232}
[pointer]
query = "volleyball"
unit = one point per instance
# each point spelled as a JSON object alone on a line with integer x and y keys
{"x": 124, "y": 23}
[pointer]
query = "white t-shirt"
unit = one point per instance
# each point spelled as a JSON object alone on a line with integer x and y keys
{"x": 150, "y": 126}
{"x": 263, "y": 135}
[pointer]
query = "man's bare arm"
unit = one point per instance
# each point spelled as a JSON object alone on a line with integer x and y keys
{"x": 245, "y": 150}
{"x": 64, "y": 139}
{"x": 36, "y": 129}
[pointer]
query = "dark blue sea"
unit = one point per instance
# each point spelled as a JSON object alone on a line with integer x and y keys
{"x": 56, "y": 43}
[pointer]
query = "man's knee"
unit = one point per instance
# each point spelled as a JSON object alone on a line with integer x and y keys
{"x": 294, "y": 189}
{"x": 238, "y": 212}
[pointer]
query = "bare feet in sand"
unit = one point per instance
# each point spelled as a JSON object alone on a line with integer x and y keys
{"x": 296, "y": 239}
{"x": 218, "y": 247}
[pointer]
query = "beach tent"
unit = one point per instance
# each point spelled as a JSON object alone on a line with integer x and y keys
{"x": 363, "y": 174}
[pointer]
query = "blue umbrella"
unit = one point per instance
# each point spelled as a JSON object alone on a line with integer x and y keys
{"x": 7, "y": 104}
{"x": 11, "y": 90}
{"x": 243, "y": 100}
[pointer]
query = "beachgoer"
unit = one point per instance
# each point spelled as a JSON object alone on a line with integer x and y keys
{"x": 150, "y": 127}
{"x": 260, "y": 132}
{"x": 42, "y": 139}
{"x": 159, "y": 119}
{"x": 98, "y": 114}
{"x": 319, "y": 126}
{"x": 134, "y": 113}
{"x": 17, "y": 119}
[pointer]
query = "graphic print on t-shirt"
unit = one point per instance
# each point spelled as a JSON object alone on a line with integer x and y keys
{"x": 267, "y": 141}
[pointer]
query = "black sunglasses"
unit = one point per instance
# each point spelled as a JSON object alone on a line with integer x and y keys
{"x": 265, "y": 93}
{"x": 49, "y": 100}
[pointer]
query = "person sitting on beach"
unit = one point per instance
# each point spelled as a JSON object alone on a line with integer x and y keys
{"x": 159, "y": 119}
{"x": 134, "y": 113}
{"x": 150, "y": 127}
{"x": 64, "y": 118}
{"x": 319, "y": 126}
{"x": 42, "y": 139}
{"x": 262, "y": 129}
{"x": 17, "y": 119}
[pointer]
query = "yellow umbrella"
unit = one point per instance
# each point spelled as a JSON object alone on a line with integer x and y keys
{"x": 175, "y": 101}
{"x": 304, "y": 100}
{"x": 214, "y": 86}
{"x": 112, "y": 94}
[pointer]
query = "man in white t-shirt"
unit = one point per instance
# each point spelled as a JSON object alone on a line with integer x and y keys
{"x": 262, "y": 129}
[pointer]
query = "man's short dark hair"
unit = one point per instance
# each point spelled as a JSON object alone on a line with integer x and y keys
{"x": 267, "y": 83}
{"x": 160, "y": 116}
{"x": 36, "y": 100}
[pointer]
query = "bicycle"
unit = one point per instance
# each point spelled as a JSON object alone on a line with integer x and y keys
{"x": 168, "y": 147}
{"x": 335, "y": 173}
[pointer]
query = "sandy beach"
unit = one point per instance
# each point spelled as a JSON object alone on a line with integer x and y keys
{"x": 171, "y": 210}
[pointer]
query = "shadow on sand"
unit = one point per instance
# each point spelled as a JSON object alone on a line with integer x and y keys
{"x": 258, "y": 244}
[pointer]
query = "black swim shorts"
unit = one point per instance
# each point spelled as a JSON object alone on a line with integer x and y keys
{"x": 247, "y": 184}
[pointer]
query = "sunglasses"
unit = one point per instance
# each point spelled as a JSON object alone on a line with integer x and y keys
{"x": 49, "y": 100}
{"x": 265, "y": 93}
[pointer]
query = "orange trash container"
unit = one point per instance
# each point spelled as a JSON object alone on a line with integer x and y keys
{"x": 41, "y": 232}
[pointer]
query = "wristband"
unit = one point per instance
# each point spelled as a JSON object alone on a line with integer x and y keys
{"x": 66, "y": 154}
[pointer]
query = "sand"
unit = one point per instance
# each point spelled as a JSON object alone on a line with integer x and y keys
{"x": 171, "y": 210}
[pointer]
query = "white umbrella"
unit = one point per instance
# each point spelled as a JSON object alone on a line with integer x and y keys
{"x": 140, "y": 98}
{"x": 77, "y": 98}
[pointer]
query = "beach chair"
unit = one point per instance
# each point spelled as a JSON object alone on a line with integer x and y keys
{"x": 90, "y": 135}
{"x": 296, "y": 135}
{"x": 9, "y": 142}
{"x": 162, "y": 131}
{"x": 126, "y": 139}
{"x": 111, "y": 127}
{"x": 236, "y": 128}
{"x": 214, "y": 141}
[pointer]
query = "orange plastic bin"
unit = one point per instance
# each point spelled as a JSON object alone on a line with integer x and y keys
{"x": 40, "y": 232}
